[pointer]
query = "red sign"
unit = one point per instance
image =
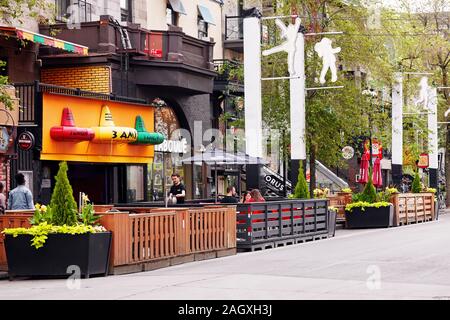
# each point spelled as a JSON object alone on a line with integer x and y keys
{"x": 154, "y": 45}
{"x": 25, "y": 141}
{"x": 423, "y": 161}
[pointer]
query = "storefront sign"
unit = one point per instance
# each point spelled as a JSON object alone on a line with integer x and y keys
{"x": 423, "y": 161}
{"x": 67, "y": 131}
{"x": 25, "y": 141}
{"x": 154, "y": 45}
{"x": 108, "y": 132}
{"x": 4, "y": 139}
{"x": 274, "y": 182}
{"x": 113, "y": 141}
{"x": 173, "y": 146}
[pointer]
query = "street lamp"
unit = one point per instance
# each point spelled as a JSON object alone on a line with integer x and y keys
{"x": 371, "y": 93}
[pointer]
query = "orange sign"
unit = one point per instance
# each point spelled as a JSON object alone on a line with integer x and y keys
{"x": 423, "y": 161}
{"x": 86, "y": 113}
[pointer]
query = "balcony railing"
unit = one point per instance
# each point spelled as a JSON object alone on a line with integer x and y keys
{"x": 173, "y": 45}
{"x": 229, "y": 70}
{"x": 234, "y": 28}
{"x": 73, "y": 11}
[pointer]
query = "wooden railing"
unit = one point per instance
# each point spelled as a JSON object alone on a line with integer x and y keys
{"x": 413, "y": 208}
{"x": 12, "y": 219}
{"x": 168, "y": 233}
{"x": 339, "y": 201}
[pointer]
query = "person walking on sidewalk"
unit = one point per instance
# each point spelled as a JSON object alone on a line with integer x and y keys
{"x": 20, "y": 198}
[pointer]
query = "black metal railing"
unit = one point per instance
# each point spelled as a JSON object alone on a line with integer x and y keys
{"x": 229, "y": 70}
{"x": 26, "y": 92}
{"x": 234, "y": 28}
{"x": 73, "y": 11}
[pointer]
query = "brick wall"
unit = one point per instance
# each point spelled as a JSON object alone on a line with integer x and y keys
{"x": 91, "y": 78}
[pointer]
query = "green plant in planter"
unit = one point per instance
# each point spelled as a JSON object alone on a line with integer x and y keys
{"x": 87, "y": 214}
{"x": 62, "y": 202}
{"x": 369, "y": 193}
{"x": 60, "y": 216}
{"x": 301, "y": 189}
{"x": 416, "y": 187}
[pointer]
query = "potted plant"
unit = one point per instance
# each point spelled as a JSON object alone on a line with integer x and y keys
{"x": 60, "y": 239}
{"x": 369, "y": 209}
{"x": 346, "y": 193}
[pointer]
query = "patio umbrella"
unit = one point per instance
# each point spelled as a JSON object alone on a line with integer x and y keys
{"x": 218, "y": 156}
{"x": 364, "y": 169}
{"x": 376, "y": 175}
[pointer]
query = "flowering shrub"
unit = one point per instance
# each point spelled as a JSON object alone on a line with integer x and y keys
{"x": 348, "y": 190}
{"x": 432, "y": 190}
{"x": 321, "y": 193}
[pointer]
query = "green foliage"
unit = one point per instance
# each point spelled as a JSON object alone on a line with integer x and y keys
{"x": 64, "y": 207}
{"x": 301, "y": 190}
{"x": 369, "y": 193}
{"x": 41, "y": 214}
{"x": 87, "y": 214}
{"x": 40, "y": 232}
{"x": 416, "y": 186}
{"x": 362, "y": 204}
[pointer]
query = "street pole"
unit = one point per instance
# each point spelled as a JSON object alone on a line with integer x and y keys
{"x": 252, "y": 95}
{"x": 397, "y": 129}
{"x": 297, "y": 109}
{"x": 433, "y": 137}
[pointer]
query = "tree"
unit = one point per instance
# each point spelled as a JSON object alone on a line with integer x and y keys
{"x": 416, "y": 188}
{"x": 301, "y": 189}
{"x": 369, "y": 193}
{"x": 62, "y": 203}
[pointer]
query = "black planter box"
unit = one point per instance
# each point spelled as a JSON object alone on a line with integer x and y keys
{"x": 370, "y": 217}
{"x": 90, "y": 252}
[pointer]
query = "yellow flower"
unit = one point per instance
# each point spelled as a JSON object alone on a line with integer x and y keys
{"x": 85, "y": 198}
{"x": 37, "y": 206}
{"x": 44, "y": 208}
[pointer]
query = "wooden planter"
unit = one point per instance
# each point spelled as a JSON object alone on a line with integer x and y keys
{"x": 89, "y": 252}
{"x": 370, "y": 217}
{"x": 339, "y": 201}
{"x": 413, "y": 207}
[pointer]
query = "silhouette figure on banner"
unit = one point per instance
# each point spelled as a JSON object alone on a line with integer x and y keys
{"x": 325, "y": 51}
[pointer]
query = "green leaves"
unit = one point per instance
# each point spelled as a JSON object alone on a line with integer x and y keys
{"x": 88, "y": 216}
{"x": 416, "y": 187}
{"x": 363, "y": 205}
{"x": 62, "y": 202}
{"x": 41, "y": 231}
{"x": 301, "y": 189}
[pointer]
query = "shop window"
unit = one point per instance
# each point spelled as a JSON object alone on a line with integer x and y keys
{"x": 135, "y": 183}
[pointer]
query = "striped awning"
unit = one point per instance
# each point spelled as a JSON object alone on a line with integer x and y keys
{"x": 45, "y": 40}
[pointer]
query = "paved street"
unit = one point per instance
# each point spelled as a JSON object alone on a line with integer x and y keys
{"x": 412, "y": 262}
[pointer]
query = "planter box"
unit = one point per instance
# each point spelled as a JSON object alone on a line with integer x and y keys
{"x": 90, "y": 252}
{"x": 371, "y": 217}
{"x": 331, "y": 223}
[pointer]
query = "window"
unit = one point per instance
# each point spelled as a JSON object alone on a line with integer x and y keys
{"x": 204, "y": 19}
{"x": 202, "y": 28}
{"x": 171, "y": 16}
{"x": 75, "y": 11}
{"x": 125, "y": 10}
